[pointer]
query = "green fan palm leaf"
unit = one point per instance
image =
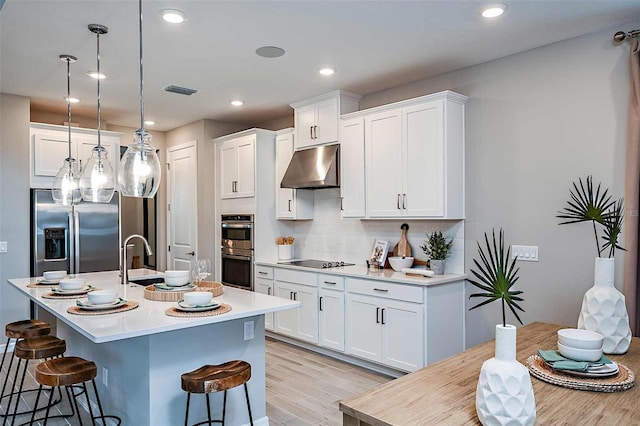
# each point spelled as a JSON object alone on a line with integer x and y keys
{"x": 613, "y": 228}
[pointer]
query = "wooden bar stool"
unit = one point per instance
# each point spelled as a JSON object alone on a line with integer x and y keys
{"x": 20, "y": 330}
{"x": 70, "y": 371}
{"x": 33, "y": 348}
{"x": 216, "y": 378}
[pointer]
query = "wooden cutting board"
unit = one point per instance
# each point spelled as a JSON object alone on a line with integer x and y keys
{"x": 403, "y": 248}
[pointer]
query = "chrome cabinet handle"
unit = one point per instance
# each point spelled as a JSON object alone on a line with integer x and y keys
{"x": 383, "y": 309}
{"x": 295, "y": 295}
{"x": 341, "y": 203}
{"x": 404, "y": 201}
{"x": 377, "y": 315}
{"x": 291, "y": 295}
{"x": 289, "y": 205}
{"x": 268, "y": 291}
{"x": 398, "y": 202}
{"x": 311, "y": 132}
{"x": 315, "y": 132}
{"x": 263, "y": 273}
{"x": 321, "y": 303}
{"x": 330, "y": 282}
{"x": 383, "y": 290}
{"x": 192, "y": 253}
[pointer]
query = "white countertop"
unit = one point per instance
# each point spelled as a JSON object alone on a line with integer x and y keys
{"x": 361, "y": 271}
{"x": 148, "y": 317}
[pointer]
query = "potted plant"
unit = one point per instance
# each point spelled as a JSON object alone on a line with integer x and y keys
{"x": 437, "y": 248}
{"x": 502, "y": 378}
{"x": 606, "y": 215}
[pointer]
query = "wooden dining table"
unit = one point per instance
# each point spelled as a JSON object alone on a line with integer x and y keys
{"x": 445, "y": 392}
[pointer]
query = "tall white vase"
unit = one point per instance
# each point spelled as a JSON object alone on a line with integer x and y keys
{"x": 604, "y": 310}
{"x": 504, "y": 395}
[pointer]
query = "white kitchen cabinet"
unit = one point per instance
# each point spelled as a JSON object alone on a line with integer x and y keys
{"x": 50, "y": 147}
{"x": 316, "y": 120}
{"x": 237, "y": 167}
{"x": 264, "y": 285}
{"x": 295, "y": 204}
{"x": 352, "y": 176}
{"x": 301, "y": 323}
{"x": 331, "y": 312}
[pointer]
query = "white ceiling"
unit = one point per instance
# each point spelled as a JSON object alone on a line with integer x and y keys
{"x": 373, "y": 44}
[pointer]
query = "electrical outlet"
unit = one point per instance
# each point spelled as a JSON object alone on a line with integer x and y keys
{"x": 105, "y": 377}
{"x": 526, "y": 253}
{"x": 248, "y": 330}
{"x": 3, "y": 246}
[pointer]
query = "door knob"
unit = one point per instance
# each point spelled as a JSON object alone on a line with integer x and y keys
{"x": 192, "y": 253}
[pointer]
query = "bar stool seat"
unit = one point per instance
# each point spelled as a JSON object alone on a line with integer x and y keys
{"x": 217, "y": 378}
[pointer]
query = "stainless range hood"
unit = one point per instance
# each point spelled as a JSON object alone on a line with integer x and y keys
{"x": 313, "y": 168}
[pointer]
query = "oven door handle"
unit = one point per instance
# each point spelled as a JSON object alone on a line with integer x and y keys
{"x": 236, "y": 256}
{"x": 238, "y": 225}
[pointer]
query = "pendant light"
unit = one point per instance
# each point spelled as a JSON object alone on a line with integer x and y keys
{"x": 97, "y": 182}
{"x": 139, "y": 171}
{"x": 66, "y": 183}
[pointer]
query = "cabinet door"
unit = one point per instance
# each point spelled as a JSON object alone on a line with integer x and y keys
{"x": 364, "y": 337}
{"x": 228, "y": 169}
{"x": 285, "y": 322}
{"x": 384, "y": 164}
{"x": 305, "y": 120}
{"x": 352, "y": 185}
{"x": 49, "y": 151}
{"x": 265, "y": 287}
{"x": 308, "y": 313}
{"x": 331, "y": 327}
{"x": 284, "y": 196}
{"x": 424, "y": 160}
{"x": 245, "y": 186}
{"x": 403, "y": 335}
{"x": 326, "y": 121}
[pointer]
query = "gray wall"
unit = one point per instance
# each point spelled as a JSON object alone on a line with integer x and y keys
{"x": 535, "y": 122}
{"x": 14, "y": 204}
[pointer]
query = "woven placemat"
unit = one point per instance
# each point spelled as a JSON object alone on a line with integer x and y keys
{"x": 223, "y": 309}
{"x": 151, "y": 293}
{"x": 76, "y": 310}
{"x": 52, "y": 295}
{"x": 214, "y": 287}
{"x": 39, "y": 285}
{"x": 623, "y": 380}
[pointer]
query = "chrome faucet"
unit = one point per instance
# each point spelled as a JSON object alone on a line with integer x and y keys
{"x": 124, "y": 278}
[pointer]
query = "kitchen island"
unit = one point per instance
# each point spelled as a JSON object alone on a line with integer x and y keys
{"x": 141, "y": 353}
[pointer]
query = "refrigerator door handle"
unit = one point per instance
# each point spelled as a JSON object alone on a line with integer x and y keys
{"x": 71, "y": 244}
{"x": 76, "y": 241}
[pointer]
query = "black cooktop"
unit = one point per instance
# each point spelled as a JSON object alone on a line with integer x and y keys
{"x": 318, "y": 264}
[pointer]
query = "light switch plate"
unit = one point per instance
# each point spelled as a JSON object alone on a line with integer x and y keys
{"x": 3, "y": 246}
{"x": 248, "y": 330}
{"x": 526, "y": 253}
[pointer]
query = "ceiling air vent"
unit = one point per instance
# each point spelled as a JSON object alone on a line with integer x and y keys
{"x": 180, "y": 90}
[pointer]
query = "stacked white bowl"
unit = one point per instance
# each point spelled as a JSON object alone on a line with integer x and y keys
{"x": 399, "y": 262}
{"x": 176, "y": 278}
{"x": 580, "y": 345}
{"x": 72, "y": 283}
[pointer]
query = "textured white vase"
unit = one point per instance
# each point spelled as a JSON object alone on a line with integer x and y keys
{"x": 604, "y": 310}
{"x": 504, "y": 395}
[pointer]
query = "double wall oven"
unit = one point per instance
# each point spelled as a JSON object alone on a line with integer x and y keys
{"x": 237, "y": 250}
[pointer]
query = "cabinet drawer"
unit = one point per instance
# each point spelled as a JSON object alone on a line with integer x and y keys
{"x": 264, "y": 272}
{"x": 296, "y": 277}
{"x": 333, "y": 282}
{"x": 408, "y": 293}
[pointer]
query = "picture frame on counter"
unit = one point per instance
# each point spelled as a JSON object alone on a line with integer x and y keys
{"x": 379, "y": 253}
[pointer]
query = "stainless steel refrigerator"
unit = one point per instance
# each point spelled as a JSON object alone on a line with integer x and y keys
{"x": 81, "y": 238}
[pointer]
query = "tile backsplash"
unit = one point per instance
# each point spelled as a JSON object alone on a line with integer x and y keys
{"x": 329, "y": 237}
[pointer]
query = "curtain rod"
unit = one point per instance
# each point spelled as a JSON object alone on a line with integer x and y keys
{"x": 621, "y": 35}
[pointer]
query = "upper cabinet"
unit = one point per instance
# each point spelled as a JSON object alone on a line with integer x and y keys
{"x": 316, "y": 120}
{"x": 50, "y": 147}
{"x": 414, "y": 159}
{"x": 352, "y": 185}
{"x": 237, "y": 167}
{"x": 290, "y": 203}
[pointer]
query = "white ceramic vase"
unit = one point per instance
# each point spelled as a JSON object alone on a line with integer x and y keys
{"x": 604, "y": 310}
{"x": 504, "y": 395}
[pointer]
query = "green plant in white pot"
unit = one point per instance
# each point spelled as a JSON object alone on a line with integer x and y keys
{"x": 437, "y": 248}
{"x": 603, "y": 306}
{"x": 504, "y": 395}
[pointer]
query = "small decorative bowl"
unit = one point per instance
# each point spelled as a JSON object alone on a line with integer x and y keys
{"x": 176, "y": 274}
{"x": 177, "y": 278}
{"x": 101, "y": 297}
{"x": 54, "y": 275}
{"x": 590, "y": 355}
{"x": 580, "y": 339}
{"x": 72, "y": 283}
{"x": 198, "y": 298}
{"x": 399, "y": 262}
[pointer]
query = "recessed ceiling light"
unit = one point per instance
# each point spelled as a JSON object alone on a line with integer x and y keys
{"x": 96, "y": 75}
{"x": 237, "y": 103}
{"x": 173, "y": 16}
{"x": 72, "y": 100}
{"x": 494, "y": 10}
{"x": 149, "y": 122}
{"x": 269, "y": 51}
{"x": 327, "y": 70}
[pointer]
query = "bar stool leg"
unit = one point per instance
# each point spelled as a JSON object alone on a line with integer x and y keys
{"x": 6, "y": 378}
{"x": 86, "y": 395}
{"x": 209, "y": 410}
{"x": 75, "y": 402}
{"x": 95, "y": 389}
{"x": 10, "y": 395}
{"x": 224, "y": 407}
{"x": 35, "y": 406}
{"x": 46, "y": 414}
{"x": 246, "y": 394}
{"x": 186, "y": 414}
{"x": 24, "y": 374}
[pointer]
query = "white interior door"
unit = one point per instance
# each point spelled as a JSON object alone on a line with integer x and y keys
{"x": 182, "y": 217}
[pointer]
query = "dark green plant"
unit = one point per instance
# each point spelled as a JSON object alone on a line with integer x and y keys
{"x": 496, "y": 276}
{"x": 436, "y": 246}
{"x": 598, "y": 208}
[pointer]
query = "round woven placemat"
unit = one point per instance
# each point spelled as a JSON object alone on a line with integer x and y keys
{"x": 623, "y": 380}
{"x": 151, "y": 293}
{"x": 52, "y": 295}
{"x": 39, "y": 285}
{"x": 76, "y": 310}
{"x": 212, "y": 286}
{"x": 223, "y": 309}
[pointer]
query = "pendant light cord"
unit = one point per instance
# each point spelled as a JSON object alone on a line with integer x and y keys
{"x": 141, "y": 77}
{"x": 69, "y": 107}
{"x": 99, "y": 113}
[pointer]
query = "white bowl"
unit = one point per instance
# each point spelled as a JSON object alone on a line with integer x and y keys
{"x": 72, "y": 283}
{"x": 177, "y": 274}
{"x": 101, "y": 297}
{"x": 176, "y": 281}
{"x": 580, "y": 339}
{"x": 198, "y": 297}
{"x": 575, "y": 354}
{"x": 54, "y": 275}
{"x": 399, "y": 262}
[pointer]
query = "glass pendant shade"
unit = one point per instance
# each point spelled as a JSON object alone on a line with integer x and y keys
{"x": 66, "y": 184}
{"x": 97, "y": 183}
{"x": 139, "y": 172}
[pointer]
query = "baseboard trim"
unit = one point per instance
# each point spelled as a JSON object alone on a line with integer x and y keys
{"x": 337, "y": 355}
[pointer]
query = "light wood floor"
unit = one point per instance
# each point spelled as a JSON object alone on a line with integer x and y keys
{"x": 303, "y": 388}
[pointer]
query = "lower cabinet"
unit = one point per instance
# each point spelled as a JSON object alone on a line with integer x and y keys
{"x": 331, "y": 318}
{"x": 265, "y": 286}
{"x": 301, "y": 323}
